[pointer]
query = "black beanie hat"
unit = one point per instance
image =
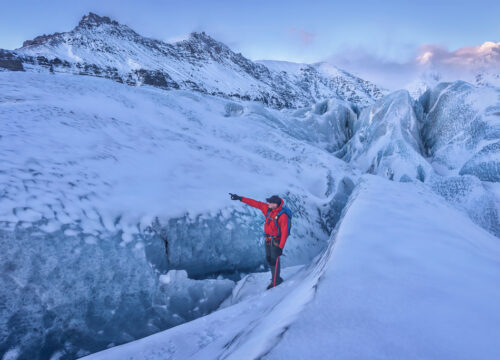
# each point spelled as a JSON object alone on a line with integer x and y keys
{"x": 274, "y": 199}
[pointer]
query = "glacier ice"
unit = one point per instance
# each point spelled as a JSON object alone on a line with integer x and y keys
{"x": 61, "y": 293}
{"x": 461, "y": 129}
{"x": 386, "y": 139}
{"x": 187, "y": 299}
{"x": 326, "y": 123}
{"x": 404, "y": 140}
{"x": 485, "y": 164}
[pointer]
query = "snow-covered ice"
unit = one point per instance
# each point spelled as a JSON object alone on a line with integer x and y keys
{"x": 106, "y": 186}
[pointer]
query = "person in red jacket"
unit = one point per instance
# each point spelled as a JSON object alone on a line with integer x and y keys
{"x": 275, "y": 232}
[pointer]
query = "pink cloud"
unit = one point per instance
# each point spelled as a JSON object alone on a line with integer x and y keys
{"x": 481, "y": 57}
{"x": 305, "y": 37}
{"x": 428, "y": 59}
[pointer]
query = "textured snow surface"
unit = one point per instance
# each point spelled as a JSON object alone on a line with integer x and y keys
{"x": 98, "y": 177}
{"x": 416, "y": 279}
{"x": 462, "y": 128}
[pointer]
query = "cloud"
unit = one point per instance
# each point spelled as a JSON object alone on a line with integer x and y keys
{"x": 303, "y": 36}
{"x": 426, "y": 60}
{"x": 376, "y": 68}
{"x": 485, "y": 56}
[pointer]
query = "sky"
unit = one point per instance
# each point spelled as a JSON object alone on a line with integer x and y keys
{"x": 360, "y": 36}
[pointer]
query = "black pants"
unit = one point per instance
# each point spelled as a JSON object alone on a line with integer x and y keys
{"x": 273, "y": 259}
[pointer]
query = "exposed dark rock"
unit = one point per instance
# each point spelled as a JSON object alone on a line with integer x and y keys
{"x": 156, "y": 78}
{"x": 10, "y": 62}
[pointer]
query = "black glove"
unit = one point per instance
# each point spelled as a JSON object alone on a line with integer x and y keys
{"x": 278, "y": 251}
{"x": 235, "y": 197}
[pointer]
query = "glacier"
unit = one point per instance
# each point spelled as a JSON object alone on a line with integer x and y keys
{"x": 105, "y": 187}
{"x": 115, "y": 219}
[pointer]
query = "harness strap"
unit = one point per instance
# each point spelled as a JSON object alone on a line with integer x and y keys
{"x": 275, "y": 221}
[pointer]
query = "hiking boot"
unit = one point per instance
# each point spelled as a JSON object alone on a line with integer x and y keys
{"x": 280, "y": 280}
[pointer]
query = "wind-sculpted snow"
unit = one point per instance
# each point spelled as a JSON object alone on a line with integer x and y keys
{"x": 386, "y": 139}
{"x": 462, "y": 128}
{"x": 105, "y": 187}
{"x": 485, "y": 164}
{"x": 393, "y": 283}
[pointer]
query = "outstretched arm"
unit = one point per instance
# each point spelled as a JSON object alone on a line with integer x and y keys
{"x": 262, "y": 206}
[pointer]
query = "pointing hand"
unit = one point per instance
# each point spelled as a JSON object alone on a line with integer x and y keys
{"x": 235, "y": 197}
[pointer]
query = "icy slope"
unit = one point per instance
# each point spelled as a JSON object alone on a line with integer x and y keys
{"x": 410, "y": 278}
{"x": 392, "y": 284}
{"x": 102, "y": 47}
{"x": 462, "y": 129}
{"x": 386, "y": 139}
{"x": 106, "y": 186}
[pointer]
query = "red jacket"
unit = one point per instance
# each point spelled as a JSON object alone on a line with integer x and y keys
{"x": 269, "y": 225}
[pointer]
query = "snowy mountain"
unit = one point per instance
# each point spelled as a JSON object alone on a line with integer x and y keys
{"x": 102, "y": 47}
{"x": 431, "y": 77}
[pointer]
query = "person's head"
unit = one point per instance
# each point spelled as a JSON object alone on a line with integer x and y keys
{"x": 273, "y": 202}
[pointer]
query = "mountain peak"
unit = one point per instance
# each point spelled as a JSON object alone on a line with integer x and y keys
{"x": 93, "y": 19}
{"x": 199, "y": 35}
{"x": 202, "y": 37}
